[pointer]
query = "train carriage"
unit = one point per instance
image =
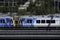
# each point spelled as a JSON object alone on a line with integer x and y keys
{"x": 40, "y": 21}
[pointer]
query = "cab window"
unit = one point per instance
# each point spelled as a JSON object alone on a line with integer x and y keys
{"x": 9, "y": 20}
{"x": 21, "y": 20}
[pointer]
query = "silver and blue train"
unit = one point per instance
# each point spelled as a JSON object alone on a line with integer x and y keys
{"x": 6, "y": 21}
{"x": 40, "y": 21}
{"x": 31, "y": 21}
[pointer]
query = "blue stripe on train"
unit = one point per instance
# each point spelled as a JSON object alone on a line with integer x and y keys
{"x": 25, "y": 24}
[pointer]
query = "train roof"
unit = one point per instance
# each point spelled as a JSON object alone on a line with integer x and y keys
{"x": 41, "y": 16}
{"x": 5, "y": 17}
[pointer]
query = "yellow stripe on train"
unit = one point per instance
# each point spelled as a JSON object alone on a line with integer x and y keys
{"x": 13, "y": 19}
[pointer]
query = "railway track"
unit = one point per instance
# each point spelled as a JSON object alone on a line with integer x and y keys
{"x": 29, "y": 32}
{"x": 29, "y": 28}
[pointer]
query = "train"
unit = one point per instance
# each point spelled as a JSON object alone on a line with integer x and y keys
{"x": 31, "y": 21}
{"x": 40, "y": 21}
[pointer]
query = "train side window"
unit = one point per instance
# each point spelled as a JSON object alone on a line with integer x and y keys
{"x": 52, "y": 21}
{"x": 29, "y": 21}
{"x": 37, "y": 21}
{"x": 42, "y": 21}
{"x": 47, "y": 21}
{"x": 2, "y": 21}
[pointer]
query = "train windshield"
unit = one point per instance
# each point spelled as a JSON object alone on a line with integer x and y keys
{"x": 21, "y": 20}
